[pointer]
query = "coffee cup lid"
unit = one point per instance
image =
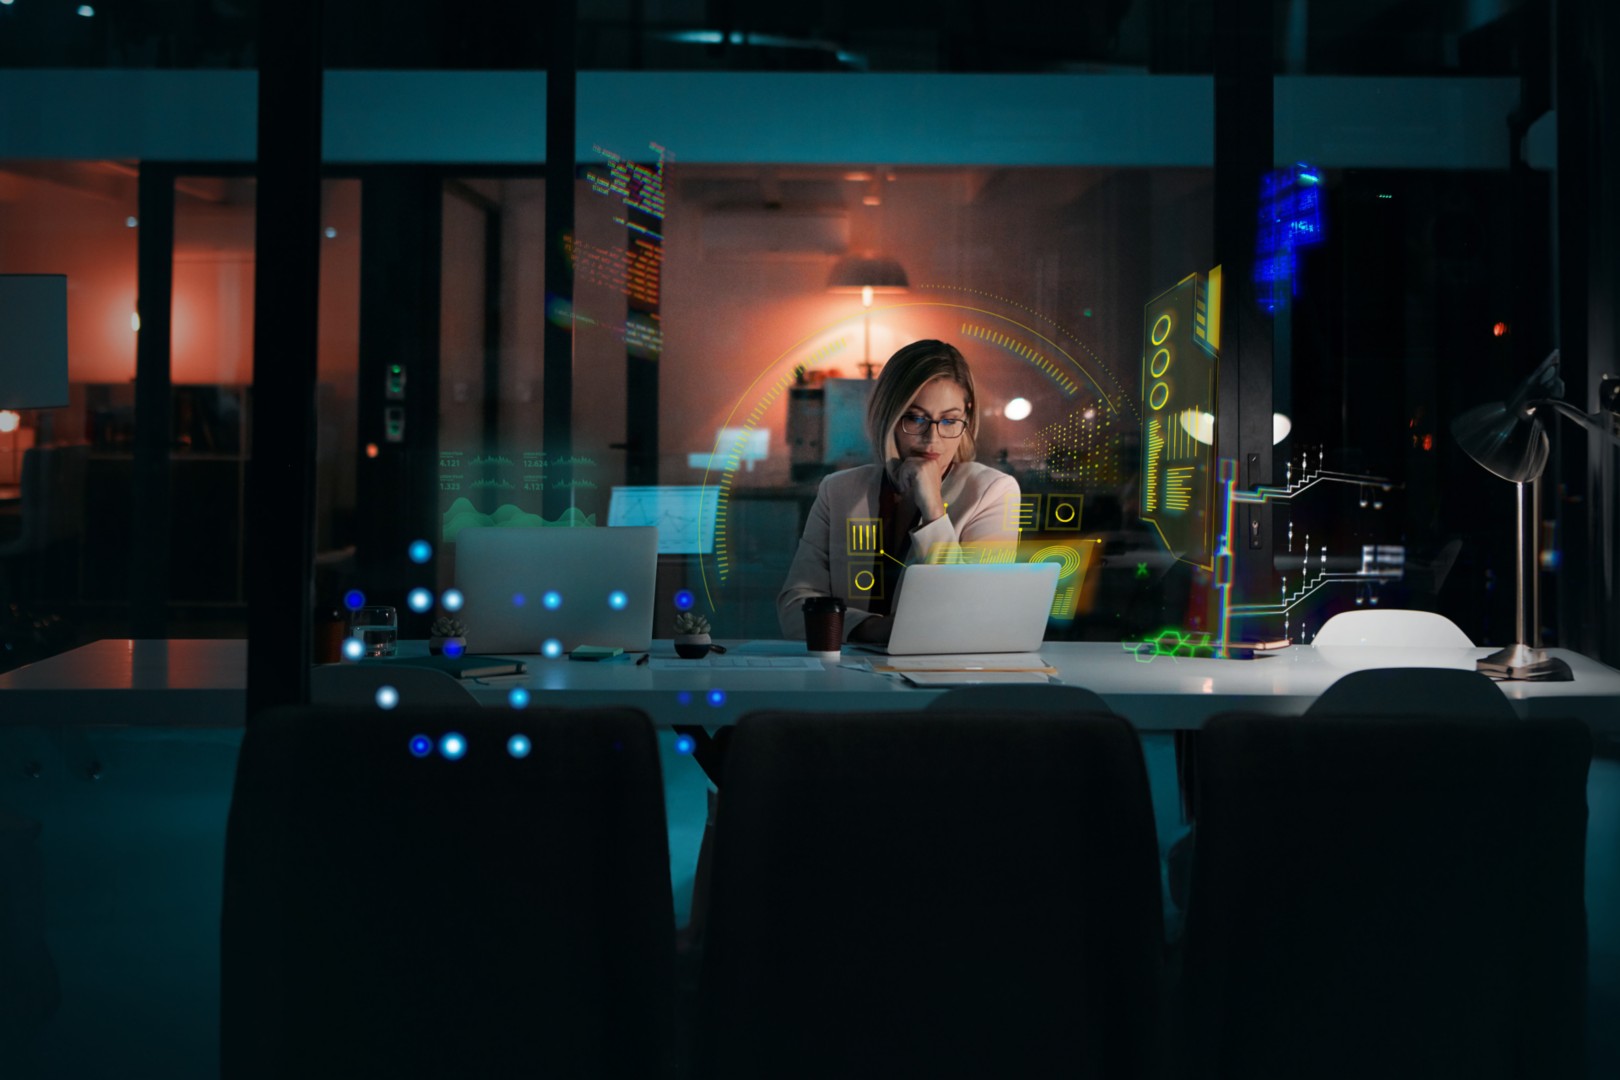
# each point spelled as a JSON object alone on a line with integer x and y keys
{"x": 823, "y": 605}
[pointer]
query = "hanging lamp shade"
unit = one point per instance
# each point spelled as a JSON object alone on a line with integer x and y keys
{"x": 853, "y": 273}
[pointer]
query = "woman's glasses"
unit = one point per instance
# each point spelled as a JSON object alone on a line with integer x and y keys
{"x": 951, "y": 427}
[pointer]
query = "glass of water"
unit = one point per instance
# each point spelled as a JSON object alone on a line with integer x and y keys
{"x": 377, "y": 629}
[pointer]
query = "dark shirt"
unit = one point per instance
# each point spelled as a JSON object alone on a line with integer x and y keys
{"x": 899, "y": 516}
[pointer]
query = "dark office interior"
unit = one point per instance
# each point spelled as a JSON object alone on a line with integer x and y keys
{"x": 342, "y": 282}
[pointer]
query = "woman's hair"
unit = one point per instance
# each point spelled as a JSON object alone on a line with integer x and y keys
{"x": 901, "y": 378}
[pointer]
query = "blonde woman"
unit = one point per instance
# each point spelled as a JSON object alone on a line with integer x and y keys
{"x": 924, "y": 495}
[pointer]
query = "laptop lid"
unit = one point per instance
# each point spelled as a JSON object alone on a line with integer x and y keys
{"x": 957, "y": 608}
{"x": 522, "y": 587}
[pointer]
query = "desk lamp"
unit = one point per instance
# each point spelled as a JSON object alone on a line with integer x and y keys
{"x": 1509, "y": 439}
{"x": 867, "y": 274}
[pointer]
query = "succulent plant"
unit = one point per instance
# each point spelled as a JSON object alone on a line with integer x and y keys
{"x": 690, "y": 622}
{"x": 445, "y": 626}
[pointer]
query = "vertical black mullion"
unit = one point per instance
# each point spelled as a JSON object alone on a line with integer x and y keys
{"x": 1243, "y": 155}
{"x": 281, "y": 472}
{"x": 558, "y": 367}
{"x": 1579, "y": 598}
{"x": 401, "y": 232}
{"x": 150, "y": 484}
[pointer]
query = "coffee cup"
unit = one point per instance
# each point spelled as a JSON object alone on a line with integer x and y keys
{"x": 824, "y": 626}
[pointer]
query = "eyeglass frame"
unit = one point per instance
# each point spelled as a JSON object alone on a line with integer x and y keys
{"x": 926, "y": 422}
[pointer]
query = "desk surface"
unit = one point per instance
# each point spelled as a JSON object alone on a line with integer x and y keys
{"x": 202, "y": 682}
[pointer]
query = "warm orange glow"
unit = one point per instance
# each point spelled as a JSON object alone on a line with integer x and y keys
{"x": 1428, "y": 442}
{"x": 371, "y": 449}
{"x": 1500, "y": 329}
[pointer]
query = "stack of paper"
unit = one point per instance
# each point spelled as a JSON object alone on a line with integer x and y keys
{"x": 967, "y": 668}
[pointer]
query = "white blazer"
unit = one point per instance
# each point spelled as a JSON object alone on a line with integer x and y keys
{"x": 837, "y": 554}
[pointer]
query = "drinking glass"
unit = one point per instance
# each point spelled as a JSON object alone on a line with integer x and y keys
{"x": 377, "y": 628}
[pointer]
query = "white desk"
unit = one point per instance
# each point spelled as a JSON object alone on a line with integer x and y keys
{"x": 201, "y": 683}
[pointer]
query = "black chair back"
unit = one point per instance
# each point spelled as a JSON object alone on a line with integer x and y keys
{"x": 1390, "y": 897}
{"x": 998, "y": 698}
{"x": 938, "y": 894}
{"x": 1413, "y": 691}
{"x": 393, "y": 911}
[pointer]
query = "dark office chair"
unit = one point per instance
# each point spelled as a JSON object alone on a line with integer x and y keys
{"x": 1391, "y": 897}
{"x": 390, "y": 914}
{"x": 1414, "y": 692}
{"x": 997, "y": 699}
{"x": 934, "y": 894}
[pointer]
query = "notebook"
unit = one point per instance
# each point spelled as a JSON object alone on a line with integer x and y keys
{"x": 524, "y": 587}
{"x": 967, "y": 608}
{"x": 460, "y": 667}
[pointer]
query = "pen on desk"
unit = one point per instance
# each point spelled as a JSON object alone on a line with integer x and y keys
{"x": 646, "y": 656}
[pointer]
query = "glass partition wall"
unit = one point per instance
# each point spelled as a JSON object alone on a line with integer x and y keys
{"x": 1037, "y": 206}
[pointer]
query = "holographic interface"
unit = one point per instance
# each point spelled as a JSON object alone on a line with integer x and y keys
{"x": 1181, "y": 343}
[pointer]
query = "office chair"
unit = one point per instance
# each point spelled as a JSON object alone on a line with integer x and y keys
{"x": 939, "y": 894}
{"x": 1020, "y": 697}
{"x": 1429, "y": 692}
{"x": 400, "y": 903}
{"x": 1391, "y": 628}
{"x": 1386, "y": 896}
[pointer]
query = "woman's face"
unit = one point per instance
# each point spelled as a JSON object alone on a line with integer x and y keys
{"x": 941, "y": 398}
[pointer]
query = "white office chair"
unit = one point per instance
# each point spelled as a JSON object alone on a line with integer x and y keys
{"x": 357, "y": 684}
{"x": 1391, "y": 629}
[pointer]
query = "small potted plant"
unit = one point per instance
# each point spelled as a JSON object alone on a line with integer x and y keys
{"x": 447, "y": 637}
{"x": 692, "y": 636}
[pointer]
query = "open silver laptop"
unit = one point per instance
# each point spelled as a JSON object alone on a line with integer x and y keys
{"x": 956, "y": 608}
{"x": 522, "y": 587}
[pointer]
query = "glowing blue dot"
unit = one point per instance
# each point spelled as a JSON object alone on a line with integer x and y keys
{"x": 551, "y": 649}
{"x": 684, "y": 697}
{"x": 518, "y": 599}
{"x": 420, "y": 551}
{"x": 387, "y": 697}
{"x": 452, "y": 746}
{"x": 517, "y": 697}
{"x": 518, "y": 746}
{"x": 354, "y": 599}
{"x": 552, "y": 600}
{"x": 421, "y": 746}
{"x": 451, "y": 600}
{"x": 617, "y": 600}
{"x": 353, "y": 648}
{"x": 717, "y": 697}
{"x": 454, "y": 648}
{"x": 683, "y": 600}
{"x": 684, "y": 744}
{"x": 419, "y": 600}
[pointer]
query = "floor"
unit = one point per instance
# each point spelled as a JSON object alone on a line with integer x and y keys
{"x": 134, "y": 862}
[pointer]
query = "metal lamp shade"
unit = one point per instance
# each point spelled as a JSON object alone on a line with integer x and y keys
{"x": 1507, "y": 441}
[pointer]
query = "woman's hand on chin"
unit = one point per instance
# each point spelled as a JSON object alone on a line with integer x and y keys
{"x": 919, "y": 477}
{"x": 872, "y": 630}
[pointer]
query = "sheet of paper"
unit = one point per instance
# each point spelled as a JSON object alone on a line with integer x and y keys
{"x": 738, "y": 663}
{"x": 963, "y": 662}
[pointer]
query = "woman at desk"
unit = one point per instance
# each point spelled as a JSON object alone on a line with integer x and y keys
{"x": 925, "y": 495}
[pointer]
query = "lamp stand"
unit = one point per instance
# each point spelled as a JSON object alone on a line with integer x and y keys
{"x": 1526, "y": 660}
